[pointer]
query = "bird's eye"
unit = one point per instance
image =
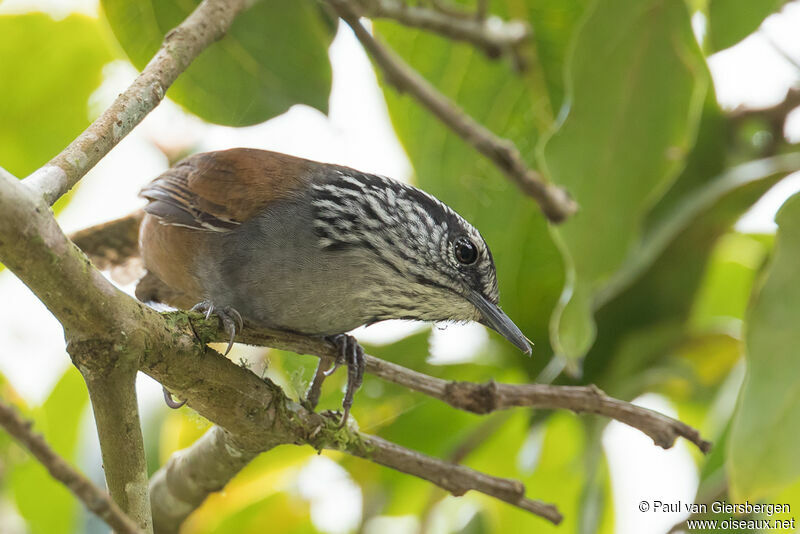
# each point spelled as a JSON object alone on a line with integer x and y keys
{"x": 465, "y": 251}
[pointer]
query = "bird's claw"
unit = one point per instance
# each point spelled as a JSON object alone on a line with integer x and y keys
{"x": 172, "y": 403}
{"x": 229, "y": 318}
{"x": 352, "y": 355}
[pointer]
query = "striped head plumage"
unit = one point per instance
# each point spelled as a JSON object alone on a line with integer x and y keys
{"x": 441, "y": 259}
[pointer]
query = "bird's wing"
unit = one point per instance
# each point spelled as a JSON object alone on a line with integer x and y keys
{"x": 217, "y": 191}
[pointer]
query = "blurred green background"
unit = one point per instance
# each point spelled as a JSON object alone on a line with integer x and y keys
{"x": 652, "y": 288}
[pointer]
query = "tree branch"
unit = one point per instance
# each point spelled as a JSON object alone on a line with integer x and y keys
{"x": 112, "y": 243}
{"x": 491, "y": 396}
{"x": 454, "y": 478}
{"x": 190, "y": 475}
{"x": 96, "y": 500}
{"x": 99, "y": 324}
{"x": 259, "y": 414}
{"x": 775, "y": 116}
{"x": 107, "y": 362}
{"x": 112, "y": 390}
{"x": 207, "y": 23}
{"x": 494, "y": 36}
{"x": 316, "y": 429}
{"x": 555, "y": 203}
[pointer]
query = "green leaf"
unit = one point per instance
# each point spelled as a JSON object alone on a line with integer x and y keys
{"x": 48, "y": 69}
{"x": 728, "y": 281}
{"x": 730, "y": 21}
{"x": 642, "y": 323}
{"x": 763, "y": 446}
{"x": 637, "y": 81}
{"x": 47, "y": 506}
{"x": 554, "y": 22}
{"x": 274, "y": 56}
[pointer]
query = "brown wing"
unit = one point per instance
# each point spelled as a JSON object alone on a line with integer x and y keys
{"x": 217, "y": 191}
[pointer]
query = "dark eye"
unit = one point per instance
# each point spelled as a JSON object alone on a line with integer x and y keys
{"x": 465, "y": 251}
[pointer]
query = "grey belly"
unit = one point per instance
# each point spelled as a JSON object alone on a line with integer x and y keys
{"x": 273, "y": 272}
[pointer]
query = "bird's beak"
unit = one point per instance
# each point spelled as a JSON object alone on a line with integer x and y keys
{"x": 493, "y": 317}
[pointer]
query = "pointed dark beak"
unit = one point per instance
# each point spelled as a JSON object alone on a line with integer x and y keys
{"x": 493, "y": 317}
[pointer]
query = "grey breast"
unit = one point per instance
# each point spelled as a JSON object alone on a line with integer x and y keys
{"x": 273, "y": 271}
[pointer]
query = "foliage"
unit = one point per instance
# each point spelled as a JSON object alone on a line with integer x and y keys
{"x": 730, "y": 21}
{"x": 649, "y": 288}
{"x": 49, "y": 70}
{"x": 273, "y": 57}
{"x": 635, "y": 64}
{"x": 762, "y": 451}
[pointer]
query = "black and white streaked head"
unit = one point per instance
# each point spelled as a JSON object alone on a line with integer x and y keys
{"x": 433, "y": 264}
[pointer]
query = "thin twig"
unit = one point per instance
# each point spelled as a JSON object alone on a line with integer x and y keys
{"x": 555, "y": 203}
{"x": 495, "y": 37}
{"x": 493, "y": 396}
{"x": 207, "y": 23}
{"x": 775, "y": 115}
{"x": 454, "y": 478}
{"x": 96, "y": 500}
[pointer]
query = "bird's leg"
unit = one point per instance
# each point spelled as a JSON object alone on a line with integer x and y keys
{"x": 171, "y": 402}
{"x": 229, "y": 318}
{"x": 314, "y": 390}
{"x": 351, "y": 354}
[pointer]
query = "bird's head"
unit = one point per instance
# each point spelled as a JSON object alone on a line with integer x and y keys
{"x": 433, "y": 264}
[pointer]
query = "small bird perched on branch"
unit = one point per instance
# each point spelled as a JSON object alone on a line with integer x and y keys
{"x": 313, "y": 248}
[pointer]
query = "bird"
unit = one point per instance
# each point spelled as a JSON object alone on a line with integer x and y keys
{"x": 319, "y": 249}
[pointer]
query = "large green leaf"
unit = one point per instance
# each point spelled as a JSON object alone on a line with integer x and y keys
{"x": 637, "y": 81}
{"x": 699, "y": 185}
{"x": 47, "y": 506}
{"x": 647, "y": 318}
{"x": 725, "y": 289}
{"x": 730, "y": 21}
{"x": 48, "y": 69}
{"x": 553, "y": 22}
{"x": 274, "y": 56}
{"x": 763, "y": 455}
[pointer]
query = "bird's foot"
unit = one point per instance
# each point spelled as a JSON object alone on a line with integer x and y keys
{"x": 350, "y": 354}
{"x": 171, "y": 402}
{"x": 230, "y": 319}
